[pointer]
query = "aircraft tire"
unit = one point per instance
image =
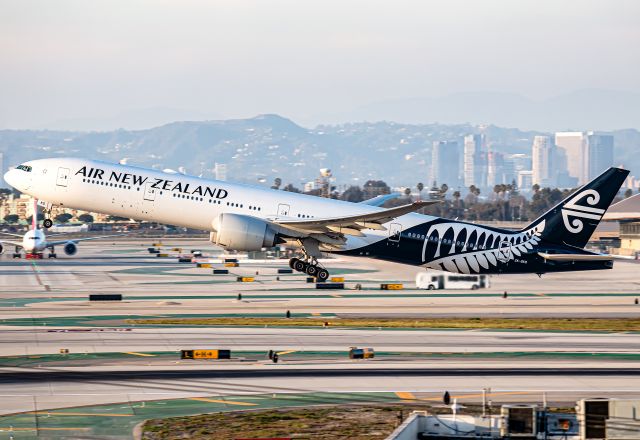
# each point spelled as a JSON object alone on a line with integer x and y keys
{"x": 312, "y": 270}
{"x": 299, "y": 266}
{"x": 323, "y": 275}
{"x": 292, "y": 263}
{"x": 47, "y": 223}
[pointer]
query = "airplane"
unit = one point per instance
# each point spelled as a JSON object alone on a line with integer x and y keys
{"x": 34, "y": 241}
{"x": 247, "y": 218}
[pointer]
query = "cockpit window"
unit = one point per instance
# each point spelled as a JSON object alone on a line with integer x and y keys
{"x": 26, "y": 168}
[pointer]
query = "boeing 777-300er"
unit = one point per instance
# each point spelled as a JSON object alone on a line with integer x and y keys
{"x": 34, "y": 242}
{"x": 245, "y": 218}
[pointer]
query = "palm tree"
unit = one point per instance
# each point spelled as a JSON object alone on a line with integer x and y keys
{"x": 420, "y": 187}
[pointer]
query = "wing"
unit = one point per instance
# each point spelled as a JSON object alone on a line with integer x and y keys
{"x": 13, "y": 235}
{"x": 331, "y": 230}
{"x": 12, "y": 243}
{"x": 575, "y": 257}
{"x": 75, "y": 240}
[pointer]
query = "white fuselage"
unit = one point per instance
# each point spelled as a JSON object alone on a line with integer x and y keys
{"x": 177, "y": 199}
{"x": 34, "y": 241}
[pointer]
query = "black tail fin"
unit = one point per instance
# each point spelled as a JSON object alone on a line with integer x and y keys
{"x": 573, "y": 220}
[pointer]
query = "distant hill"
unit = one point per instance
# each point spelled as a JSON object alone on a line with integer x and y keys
{"x": 270, "y": 146}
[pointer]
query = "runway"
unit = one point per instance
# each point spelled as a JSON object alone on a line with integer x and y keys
{"x": 38, "y": 340}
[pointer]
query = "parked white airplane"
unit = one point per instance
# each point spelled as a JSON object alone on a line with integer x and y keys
{"x": 34, "y": 242}
{"x": 245, "y": 218}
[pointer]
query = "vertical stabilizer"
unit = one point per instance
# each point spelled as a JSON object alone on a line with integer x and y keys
{"x": 572, "y": 221}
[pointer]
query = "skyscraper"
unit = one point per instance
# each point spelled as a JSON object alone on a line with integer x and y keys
{"x": 444, "y": 163}
{"x": 572, "y": 145}
{"x": 475, "y": 161}
{"x": 543, "y": 161}
{"x": 498, "y": 170}
{"x": 587, "y": 154}
{"x": 599, "y": 154}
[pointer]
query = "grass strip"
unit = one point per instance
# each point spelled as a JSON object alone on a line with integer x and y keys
{"x": 548, "y": 324}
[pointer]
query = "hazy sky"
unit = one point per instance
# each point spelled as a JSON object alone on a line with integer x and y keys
{"x": 308, "y": 60}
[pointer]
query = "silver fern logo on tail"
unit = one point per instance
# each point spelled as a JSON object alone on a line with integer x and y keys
{"x": 573, "y": 213}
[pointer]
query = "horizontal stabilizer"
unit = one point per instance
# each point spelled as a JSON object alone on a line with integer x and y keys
{"x": 575, "y": 257}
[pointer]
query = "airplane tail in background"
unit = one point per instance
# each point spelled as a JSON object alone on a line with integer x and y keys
{"x": 573, "y": 220}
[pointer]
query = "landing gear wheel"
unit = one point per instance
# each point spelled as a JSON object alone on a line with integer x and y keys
{"x": 292, "y": 263}
{"x": 299, "y": 266}
{"x": 47, "y": 223}
{"x": 323, "y": 275}
{"x": 312, "y": 270}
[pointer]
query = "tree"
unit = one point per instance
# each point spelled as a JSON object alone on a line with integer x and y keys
{"x": 291, "y": 188}
{"x": 11, "y": 218}
{"x": 63, "y": 218}
{"x": 115, "y": 218}
{"x": 407, "y": 191}
{"x": 628, "y": 193}
{"x": 40, "y": 217}
{"x": 443, "y": 189}
{"x": 353, "y": 194}
{"x": 276, "y": 183}
{"x": 535, "y": 188}
{"x": 86, "y": 218}
{"x": 420, "y": 187}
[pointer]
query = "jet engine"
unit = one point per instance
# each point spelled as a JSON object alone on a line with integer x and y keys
{"x": 242, "y": 233}
{"x": 70, "y": 248}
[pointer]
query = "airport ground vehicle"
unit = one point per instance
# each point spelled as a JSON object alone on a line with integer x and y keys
{"x": 432, "y": 280}
{"x": 247, "y": 218}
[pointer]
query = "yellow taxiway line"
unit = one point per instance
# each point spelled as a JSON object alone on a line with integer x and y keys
{"x": 228, "y": 402}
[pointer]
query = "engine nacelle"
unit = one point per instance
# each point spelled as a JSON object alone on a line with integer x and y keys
{"x": 70, "y": 248}
{"x": 242, "y": 233}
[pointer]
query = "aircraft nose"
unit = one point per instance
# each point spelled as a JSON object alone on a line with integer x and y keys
{"x": 16, "y": 180}
{"x": 10, "y": 178}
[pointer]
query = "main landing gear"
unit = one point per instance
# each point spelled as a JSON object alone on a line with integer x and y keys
{"x": 309, "y": 266}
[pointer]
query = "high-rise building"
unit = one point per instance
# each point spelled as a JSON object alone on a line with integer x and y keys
{"x": 599, "y": 154}
{"x": 444, "y": 163}
{"x": 475, "y": 161}
{"x": 543, "y": 161}
{"x": 586, "y": 154}
{"x": 525, "y": 180}
{"x": 572, "y": 147}
{"x": 499, "y": 170}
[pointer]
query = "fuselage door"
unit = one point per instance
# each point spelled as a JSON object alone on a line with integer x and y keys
{"x": 283, "y": 210}
{"x": 504, "y": 251}
{"x": 149, "y": 192}
{"x": 63, "y": 177}
{"x": 395, "y": 229}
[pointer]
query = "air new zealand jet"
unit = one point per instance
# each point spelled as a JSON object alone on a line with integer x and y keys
{"x": 246, "y": 218}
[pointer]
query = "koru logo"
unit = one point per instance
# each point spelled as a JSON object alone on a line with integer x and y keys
{"x": 572, "y": 212}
